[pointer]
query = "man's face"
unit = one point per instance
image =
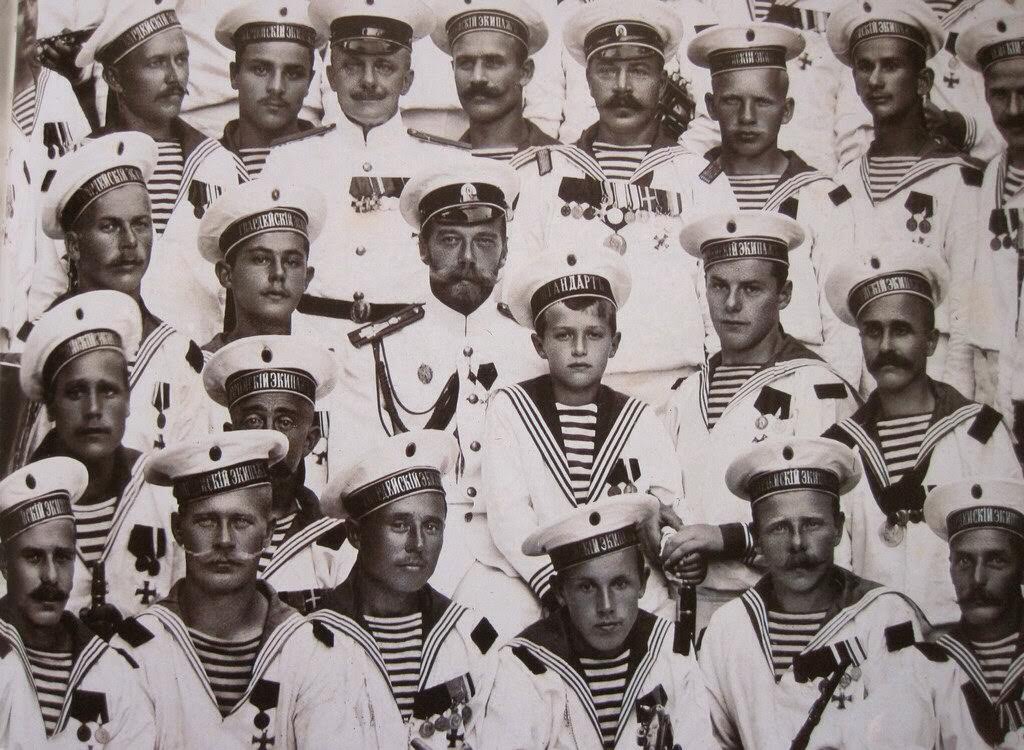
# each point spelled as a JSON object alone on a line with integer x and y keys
{"x": 897, "y": 339}
{"x": 750, "y": 107}
{"x": 272, "y": 79}
{"x": 110, "y": 243}
{"x": 39, "y": 565}
{"x": 399, "y": 544}
{"x": 152, "y": 79}
{"x": 745, "y": 301}
{"x": 602, "y": 597}
{"x": 369, "y": 85}
{"x": 626, "y": 90}
{"x": 288, "y": 413}
{"x": 267, "y": 275}
{"x": 464, "y": 261}
{"x": 987, "y": 567}
{"x": 89, "y": 405}
{"x": 1004, "y": 92}
{"x": 223, "y": 537}
{"x": 888, "y": 79}
{"x": 491, "y": 70}
{"x": 797, "y": 533}
{"x": 26, "y": 55}
{"x": 577, "y": 345}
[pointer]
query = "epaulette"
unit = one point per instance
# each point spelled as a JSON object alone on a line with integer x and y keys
{"x": 529, "y": 660}
{"x": 127, "y": 657}
{"x": 790, "y": 207}
{"x": 333, "y": 538}
{"x": 839, "y": 195}
{"x": 711, "y": 172}
{"x": 972, "y": 175}
{"x": 195, "y": 357}
{"x": 484, "y": 635}
{"x": 985, "y": 424}
{"x": 134, "y": 633}
{"x": 302, "y": 135}
{"x": 376, "y": 331}
{"x": 829, "y": 390}
{"x": 438, "y": 140}
{"x": 323, "y": 634}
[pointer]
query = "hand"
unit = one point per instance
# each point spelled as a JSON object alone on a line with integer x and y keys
{"x": 691, "y": 571}
{"x": 948, "y": 123}
{"x": 703, "y": 538}
{"x": 59, "y": 52}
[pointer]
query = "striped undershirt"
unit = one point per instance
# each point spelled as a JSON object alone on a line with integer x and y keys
{"x": 941, "y": 7}
{"x": 579, "y": 435}
{"x": 254, "y": 159}
{"x": 51, "y": 673}
{"x": 23, "y": 109}
{"x": 400, "y": 640}
{"x": 281, "y": 527}
{"x": 885, "y": 171}
{"x": 901, "y": 442}
{"x": 994, "y": 658}
{"x": 1014, "y": 182}
{"x": 607, "y": 681}
{"x": 788, "y": 635}
{"x": 166, "y": 181}
{"x": 726, "y": 380}
{"x": 228, "y": 666}
{"x": 752, "y": 191}
{"x": 499, "y": 153}
{"x": 619, "y": 162}
{"x": 762, "y": 8}
{"x": 92, "y": 527}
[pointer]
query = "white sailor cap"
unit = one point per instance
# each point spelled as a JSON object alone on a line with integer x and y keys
{"x": 515, "y": 18}
{"x": 255, "y": 208}
{"x": 788, "y": 463}
{"x": 741, "y": 235}
{"x": 126, "y": 25}
{"x": 87, "y": 322}
{"x": 39, "y": 492}
{"x": 968, "y": 504}
{"x": 217, "y": 463}
{"x": 751, "y": 45}
{"x": 592, "y": 531}
{"x": 904, "y": 268}
{"x": 990, "y": 41}
{"x": 268, "y": 21}
{"x": 534, "y": 284}
{"x": 610, "y": 24}
{"x": 467, "y": 190}
{"x": 270, "y": 364}
{"x": 93, "y": 169}
{"x": 402, "y": 465}
{"x": 384, "y": 24}
{"x": 855, "y": 21}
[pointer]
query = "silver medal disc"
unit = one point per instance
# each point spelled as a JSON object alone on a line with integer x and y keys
{"x": 893, "y": 534}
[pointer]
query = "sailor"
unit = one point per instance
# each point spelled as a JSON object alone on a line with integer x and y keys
{"x": 913, "y": 432}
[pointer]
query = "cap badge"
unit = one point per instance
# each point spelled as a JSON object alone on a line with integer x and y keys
{"x": 621, "y": 32}
{"x": 469, "y": 193}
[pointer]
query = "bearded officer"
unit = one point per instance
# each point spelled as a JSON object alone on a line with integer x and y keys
{"x": 85, "y": 692}
{"x": 762, "y": 382}
{"x": 222, "y": 659}
{"x": 911, "y": 185}
{"x": 275, "y": 383}
{"x": 914, "y": 432}
{"x": 76, "y": 362}
{"x": 434, "y": 653}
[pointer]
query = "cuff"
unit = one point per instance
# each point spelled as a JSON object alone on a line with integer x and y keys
{"x": 738, "y": 542}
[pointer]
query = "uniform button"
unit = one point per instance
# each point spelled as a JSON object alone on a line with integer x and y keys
{"x": 467, "y": 352}
{"x": 360, "y": 250}
{"x": 473, "y": 398}
{"x": 474, "y": 446}
{"x": 471, "y": 491}
{"x": 468, "y": 517}
{"x": 367, "y": 167}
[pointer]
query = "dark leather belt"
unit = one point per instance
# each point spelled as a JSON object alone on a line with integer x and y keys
{"x": 343, "y": 309}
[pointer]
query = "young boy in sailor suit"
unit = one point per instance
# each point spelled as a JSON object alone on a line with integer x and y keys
{"x": 598, "y": 671}
{"x": 564, "y": 439}
{"x": 434, "y": 653}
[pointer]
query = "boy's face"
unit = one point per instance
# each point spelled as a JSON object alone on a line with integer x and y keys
{"x": 267, "y": 275}
{"x": 577, "y": 345}
{"x": 745, "y": 300}
{"x": 888, "y": 79}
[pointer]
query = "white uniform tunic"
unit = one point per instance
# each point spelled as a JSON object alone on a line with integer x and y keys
{"x": 963, "y": 440}
{"x": 310, "y": 686}
{"x": 17, "y": 701}
{"x": 539, "y": 697}
{"x": 103, "y": 706}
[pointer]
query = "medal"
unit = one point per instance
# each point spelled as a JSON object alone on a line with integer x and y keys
{"x": 1007, "y": 242}
{"x": 617, "y": 243}
{"x": 576, "y": 210}
{"x": 911, "y": 224}
{"x": 441, "y": 723}
{"x": 614, "y": 215}
{"x": 566, "y": 211}
{"x": 426, "y": 730}
{"x": 455, "y": 721}
{"x": 467, "y": 714}
{"x": 926, "y": 226}
{"x": 589, "y": 213}
{"x": 425, "y": 374}
{"x": 995, "y": 244}
{"x": 102, "y": 735}
{"x": 630, "y": 217}
{"x": 855, "y": 674}
{"x": 845, "y": 680}
{"x": 761, "y": 422}
{"x": 893, "y": 534}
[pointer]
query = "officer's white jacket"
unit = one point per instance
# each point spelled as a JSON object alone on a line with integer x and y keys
{"x": 437, "y": 372}
{"x": 964, "y": 440}
{"x": 526, "y": 477}
{"x": 458, "y": 658}
{"x": 313, "y": 683}
{"x": 796, "y": 394}
{"x": 104, "y": 697}
{"x": 539, "y": 697}
{"x": 931, "y": 196}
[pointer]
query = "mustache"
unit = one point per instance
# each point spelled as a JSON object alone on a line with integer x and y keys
{"x": 980, "y": 599}
{"x": 48, "y": 592}
{"x": 800, "y": 561}
{"x": 890, "y": 358}
{"x": 373, "y": 95}
{"x": 276, "y": 101}
{"x": 173, "y": 90}
{"x": 624, "y": 100}
{"x": 482, "y": 89}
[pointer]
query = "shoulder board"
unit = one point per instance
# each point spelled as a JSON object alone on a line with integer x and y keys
{"x": 195, "y": 357}
{"x": 829, "y": 390}
{"x": 972, "y": 175}
{"x": 529, "y": 660}
{"x": 484, "y": 635}
{"x": 679, "y": 382}
{"x": 772, "y": 401}
{"x": 711, "y": 172}
{"x": 839, "y": 195}
{"x": 127, "y": 657}
{"x": 376, "y": 331}
{"x": 932, "y": 651}
{"x": 333, "y": 538}
{"x": 899, "y": 637}
{"x": 790, "y": 207}
{"x": 835, "y": 432}
{"x": 985, "y": 424}
{"x": 134, "y": 633}
{"x": 419, "y": 135}
{"x": 323, "y": 634}
{"x": 543, "y": 161}
{"x": 302, "y": 135}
